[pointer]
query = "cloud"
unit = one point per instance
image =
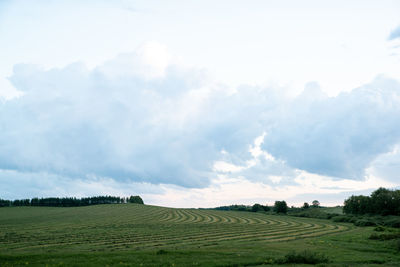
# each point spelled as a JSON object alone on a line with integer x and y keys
{"x": 7, "y": 91}
{"x": 387, "y": 165}
{"x": 42, "y": 184}
{"x": 149, "y": 61}
{"x": 395, "y": 34}
{"x": 116, "y": 121}
{"x": 338, "y": 136}
{"x": 225, "y": 190}
{"x": 140, "y": 119}
{"x": 76, "y": 122}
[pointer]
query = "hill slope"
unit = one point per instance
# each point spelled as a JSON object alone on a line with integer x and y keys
{"x": 150, "y": 234}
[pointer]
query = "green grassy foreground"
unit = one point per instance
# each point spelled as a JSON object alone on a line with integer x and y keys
{"x": 139, "y": 235}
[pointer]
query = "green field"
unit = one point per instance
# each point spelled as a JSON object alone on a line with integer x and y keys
{"x": 141, "y": 235}
{"x": 335, "y": 210}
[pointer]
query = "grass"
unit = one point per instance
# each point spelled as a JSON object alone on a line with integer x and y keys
{"x": 334, "y": 210}
{"x": 135, "y": 235}
{"x": 305, "y": 256}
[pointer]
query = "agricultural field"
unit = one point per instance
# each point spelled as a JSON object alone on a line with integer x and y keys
{"x": 334, "y": 210}
{"x": 142, "y": 235}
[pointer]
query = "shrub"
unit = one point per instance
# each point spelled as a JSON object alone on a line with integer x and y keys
{"x": 364, "y": 222}
{"x": 376, "y": 261}
{"x": 331, "y": 215}
{"x": 161, "y": 252}
{"x": 312, "y": 213}
{"x": 344, "y": 218}
{"x": 374, "y": 236}
{"x": 391, "y": 221}
{"x": 379, "y": 229}
{"x": 383, "y": 237}
{"x": 305, "y": 257}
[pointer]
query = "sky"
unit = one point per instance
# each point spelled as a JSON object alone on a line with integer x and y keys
{"x": 199, "y": 103}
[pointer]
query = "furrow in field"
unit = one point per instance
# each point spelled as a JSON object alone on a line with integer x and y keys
{"x": 138, "y": 226}
{"x": 208, "y": 235}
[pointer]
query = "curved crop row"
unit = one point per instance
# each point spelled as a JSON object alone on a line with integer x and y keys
{"x": 110, "y": 227}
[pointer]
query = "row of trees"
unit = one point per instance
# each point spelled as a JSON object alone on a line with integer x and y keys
{"x": 382, "y": 201}
{"x": 71, "y": 201}
{"x": 279, "y": 207}
{"x": 258, "y": 207}
{"x": 315, "y": 204}
{"x": 255, "y": 208}
{"x": 236, "y": 207}
{"x": 282, "y": 207}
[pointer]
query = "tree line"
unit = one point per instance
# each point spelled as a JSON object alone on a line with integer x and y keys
{"x": 71, "y": 201}
{"x": 278, "y": 207}
{"x": 381, "y": 202}
{"x": 254, "y": 208}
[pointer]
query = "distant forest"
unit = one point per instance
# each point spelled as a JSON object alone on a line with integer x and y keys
{"x": 382, "y": 202}
{"x": 71, "y": 201}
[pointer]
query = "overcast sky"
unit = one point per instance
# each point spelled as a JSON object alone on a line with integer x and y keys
{"x": 199, "y": 103}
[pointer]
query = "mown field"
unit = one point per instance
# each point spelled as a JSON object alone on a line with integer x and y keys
{"x": 139, "y": 235}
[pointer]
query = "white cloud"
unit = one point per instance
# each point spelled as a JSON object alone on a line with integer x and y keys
{"x": 338, "y": 136}
{"x": 149, "y": 61}
{"x": 387, "y": 165}
{"x": 173, "y": 128}
{"x": 226, "y": 190}
{"x": 222, "y": 166}
{"x": 395, "y": 34}
{"x": 275, "y": 179}
{"x": 156, "y": 56}
{"x": 7, "y": 91}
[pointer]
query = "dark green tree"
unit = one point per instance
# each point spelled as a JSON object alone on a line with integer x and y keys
{"x": 266, "y": 208}
{"x": 280, "y": 207}
{"x": 136, "y": 199}
{"x": 382, "y": 201}
{"x": 257, "y": 207}
{"x": 358, "y": 205}
{"x": 315, "y": 203}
